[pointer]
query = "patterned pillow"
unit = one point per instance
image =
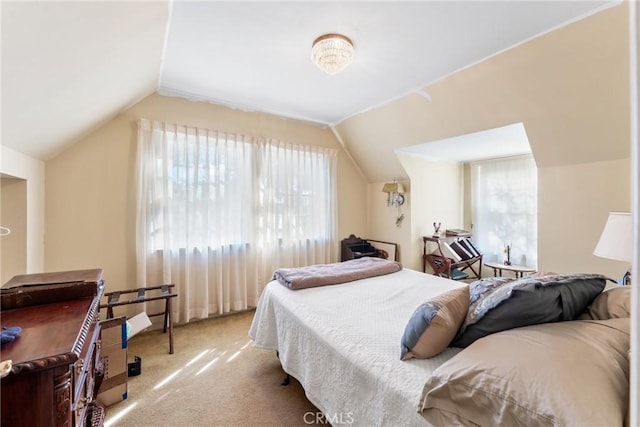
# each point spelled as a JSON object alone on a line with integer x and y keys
{"x": 434, "y": 324}
{"x": 528, "y": 301}
{"x": 483, "y": 286}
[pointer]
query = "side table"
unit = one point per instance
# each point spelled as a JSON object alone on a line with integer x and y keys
{"x": 519, "y": 270}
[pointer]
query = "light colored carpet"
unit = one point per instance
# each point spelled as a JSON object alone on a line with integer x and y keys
{"x": 214, "y": 378}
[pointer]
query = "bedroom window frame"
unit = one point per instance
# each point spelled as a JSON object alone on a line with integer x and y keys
{"x": 493, "y": 237}
{"x": 264, "y": 195}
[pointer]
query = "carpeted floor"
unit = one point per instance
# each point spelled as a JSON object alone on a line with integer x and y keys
{"x": 214, "y": 378}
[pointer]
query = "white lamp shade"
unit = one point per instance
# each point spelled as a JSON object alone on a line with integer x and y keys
{"x": 615, "y": 241}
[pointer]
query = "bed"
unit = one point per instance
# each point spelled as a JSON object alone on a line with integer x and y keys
{"x": 343, "y": 343}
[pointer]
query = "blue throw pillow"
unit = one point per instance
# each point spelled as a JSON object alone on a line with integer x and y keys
{"x": 434, "y": 324}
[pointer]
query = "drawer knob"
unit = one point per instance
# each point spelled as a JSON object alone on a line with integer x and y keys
{"x": 79, "y": 366}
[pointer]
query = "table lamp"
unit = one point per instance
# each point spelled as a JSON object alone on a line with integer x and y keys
{"x": 615, "y": 241}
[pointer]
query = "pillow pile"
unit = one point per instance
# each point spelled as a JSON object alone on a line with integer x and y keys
{"x": 527, "y": 301}
{"x": 558, "y": 374}
{"x": 434, "y": 324}
{"x": 461, "y": 316}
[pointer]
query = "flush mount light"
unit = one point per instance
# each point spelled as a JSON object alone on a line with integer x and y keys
{"x": 332, "y": 52}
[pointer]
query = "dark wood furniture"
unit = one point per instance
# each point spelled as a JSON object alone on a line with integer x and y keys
{"x": 55, "y": 371}
{"x": 152, "y": 293}
{"x": 389, "y": 250}
{"x": 445, "y": 266}
{"x": 354, "y": 247}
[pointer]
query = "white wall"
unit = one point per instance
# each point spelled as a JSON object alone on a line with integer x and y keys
{"x": 436, "y": 196}
{"x": 634, "y": 376}
{"x": 32, "y": 170}
{"x": 381, "y": 221}
{"x": 13, "y": 246}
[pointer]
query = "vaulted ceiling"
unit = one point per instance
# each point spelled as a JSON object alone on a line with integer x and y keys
{"x": 68, "y": 67}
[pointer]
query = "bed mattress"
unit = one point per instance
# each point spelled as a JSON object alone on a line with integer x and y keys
{"x": 342, "y": 342}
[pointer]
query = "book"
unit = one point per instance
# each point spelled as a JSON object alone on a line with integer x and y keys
{"x": 447, "y": 252}
{"x": 461, "y": 250}
{"x": 458, "y": 274}
{"x": 468, "y": 244}
{"x": 457, "y": 232}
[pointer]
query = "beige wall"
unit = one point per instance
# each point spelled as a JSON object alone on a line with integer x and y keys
{"x": 381, "y": 220}
{"x": 569, "y": 87}
{"x": 18, "y": 165}
{"x": 436, "y": 196}
{"x": 13, "y": 247}
{"x": 573, "y": 206}
{"x": 569, "y": 221}
{"x": 90, "y": 196}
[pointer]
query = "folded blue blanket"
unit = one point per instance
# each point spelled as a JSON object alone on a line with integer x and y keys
{"x": 9, "y": 334}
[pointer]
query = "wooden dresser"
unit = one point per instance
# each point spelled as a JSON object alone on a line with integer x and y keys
{"x": 56, "y": 359}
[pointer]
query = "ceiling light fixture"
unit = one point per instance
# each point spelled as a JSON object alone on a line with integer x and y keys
{"x": 332, "y": 53}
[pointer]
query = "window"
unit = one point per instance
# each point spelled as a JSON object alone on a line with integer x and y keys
{"x": 219, "y": 212}
{"x": 295, "y": 193}
{"x": 504, "y": 202}
{"x": 213, "y": 189}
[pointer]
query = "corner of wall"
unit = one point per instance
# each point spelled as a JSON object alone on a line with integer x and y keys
{"x": 32, "y": 170}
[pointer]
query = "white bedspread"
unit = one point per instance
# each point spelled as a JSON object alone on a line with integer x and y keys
{"x": 342, "y": 342}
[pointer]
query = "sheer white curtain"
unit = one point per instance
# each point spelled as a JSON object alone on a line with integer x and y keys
{"x": 504, "y": 202}
{"x": 218, "y": 212}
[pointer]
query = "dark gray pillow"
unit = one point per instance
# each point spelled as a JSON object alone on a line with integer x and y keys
{"x": 529, "y": 301}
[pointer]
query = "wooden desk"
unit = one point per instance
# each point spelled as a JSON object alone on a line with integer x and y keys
{"x": 519, "y": 270}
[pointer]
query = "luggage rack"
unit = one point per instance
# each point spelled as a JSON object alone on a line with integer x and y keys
{"x": 166, "y": 293}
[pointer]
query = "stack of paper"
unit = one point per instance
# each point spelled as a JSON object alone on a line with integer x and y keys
{"x": 137, "y": 323}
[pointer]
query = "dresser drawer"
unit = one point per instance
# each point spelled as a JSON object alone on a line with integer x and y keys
{"x": 52, "y": 378}
{"x": 84, "y": 377}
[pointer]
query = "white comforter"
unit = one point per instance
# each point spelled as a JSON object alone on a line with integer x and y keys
{"x": 342, "y": 342}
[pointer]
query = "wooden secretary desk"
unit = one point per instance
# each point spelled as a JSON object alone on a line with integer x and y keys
{"x": 55, "y": 370}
